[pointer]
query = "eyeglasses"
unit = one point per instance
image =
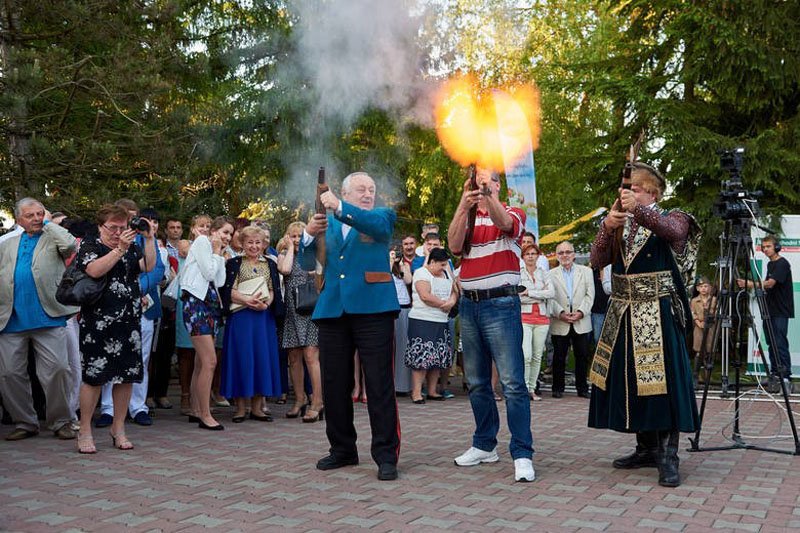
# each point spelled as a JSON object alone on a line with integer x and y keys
{"x": 565, "y": 252}
{"x": 114, "y": 229}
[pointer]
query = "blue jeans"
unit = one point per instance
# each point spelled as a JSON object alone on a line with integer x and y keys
{"x": 597, "y": 326}
{"x": 491, "y": 330}
{"x": 779, "y": 358}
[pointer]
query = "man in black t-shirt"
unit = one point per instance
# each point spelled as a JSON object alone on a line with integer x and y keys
{"x": 779, "y": 299}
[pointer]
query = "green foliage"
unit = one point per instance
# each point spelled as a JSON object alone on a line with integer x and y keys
{"x": 186, "y": 104}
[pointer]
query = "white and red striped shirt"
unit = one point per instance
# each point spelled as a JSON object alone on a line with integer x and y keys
{"x": 493, "y": 258}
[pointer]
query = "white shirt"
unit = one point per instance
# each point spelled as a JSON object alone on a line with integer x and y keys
{"x": 202, "y": 265}
{"x": 440, "y": 287}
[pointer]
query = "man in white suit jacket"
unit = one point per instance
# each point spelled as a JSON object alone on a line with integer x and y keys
{"x": 571, "y": 311}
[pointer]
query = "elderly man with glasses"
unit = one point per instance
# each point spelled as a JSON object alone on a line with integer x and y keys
{"x": 571, "y": 310}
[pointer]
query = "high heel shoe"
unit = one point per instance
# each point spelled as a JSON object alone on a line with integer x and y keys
{"x": 314, "y": 415}
{"x": 203, "y": 425}
{"x": 86, "y": 444}
{"x": 298, "y": 409}
{"x": 121, "y": 442}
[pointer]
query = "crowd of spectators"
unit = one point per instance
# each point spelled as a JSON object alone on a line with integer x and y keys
{"x": 103, "y": 363}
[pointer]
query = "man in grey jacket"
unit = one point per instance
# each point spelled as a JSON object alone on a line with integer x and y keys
{"x": 31, "y": 266}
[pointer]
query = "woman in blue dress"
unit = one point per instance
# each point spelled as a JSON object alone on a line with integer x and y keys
{"x": 250, "y": 367}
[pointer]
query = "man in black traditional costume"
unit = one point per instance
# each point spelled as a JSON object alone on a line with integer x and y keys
{"x": 641, "y": 374}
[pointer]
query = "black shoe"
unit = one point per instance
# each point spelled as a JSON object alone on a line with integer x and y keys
{"x": 194, "y": 419}
{"x": 387, "y": 472}
{"x": 331, "y": 462}
{"x": 558, "y": 394}
{"x": 103, "y": 421}
{"x": 263, "y": 418}
{"x": 238, "y": 419}
{"x": 668, "y": 462}
{"x": 584, "y": 394}
{"x": 645, "y": 454}
{"x": 203, "y": 425}
{"x": 143, "y": 419}
{"x": 439, "y": 398}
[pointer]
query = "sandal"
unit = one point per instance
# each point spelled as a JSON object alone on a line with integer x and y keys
{"x": 121, "y": 442}
{"x": 86, "y": 444}
{"x": 298, "y": 409}
{"x": 314, "y": 415}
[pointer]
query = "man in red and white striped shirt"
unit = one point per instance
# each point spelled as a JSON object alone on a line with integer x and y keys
{"x": 491, "y": 324}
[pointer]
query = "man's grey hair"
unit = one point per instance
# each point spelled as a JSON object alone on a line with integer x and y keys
{"x": 25, "y": 202}
{"x": 348, "y": 179}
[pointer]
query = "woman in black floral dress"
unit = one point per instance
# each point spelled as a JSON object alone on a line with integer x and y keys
{"x": 111, "y": 341}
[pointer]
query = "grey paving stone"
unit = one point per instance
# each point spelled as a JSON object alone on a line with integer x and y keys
{"x": 390, "y": 508}
{"x": 594, "y": 509}
{"x": 509, "y": 524}
{"x": 744, "y": 512}
{"x": 32, "y": 505}
{"x": 674, "y": 510}
{"x": 628, "y": 500}
{"x": 427, "y": 521}
{"x": 319, "y": 508}
{"x": 52, "y": 519}
{"x": 175, "y": 505}
{"x": 358, "y": 521}
{"x": 661, "y": 524}
{"x": 699, "y": 500}
{"x": 747, "y": 499}
{"x": 104, "y": 505}
{"x": 15, "y": 492}
{"x": 249, "y": 507}
{"x": 736, "y": 526}
{"x": 282, "y": 521}
{"x": 204, "y": 520}
{"x": 130, "y": 519}
{"x": 536, "y": 511}
{"x": 585, "y": 524}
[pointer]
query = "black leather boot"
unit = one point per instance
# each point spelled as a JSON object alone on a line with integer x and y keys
{"x": 668, "y": 462}
{"x": 645, "y": 454}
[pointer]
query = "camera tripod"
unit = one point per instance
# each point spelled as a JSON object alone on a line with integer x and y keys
{"x": 731, "y": 323}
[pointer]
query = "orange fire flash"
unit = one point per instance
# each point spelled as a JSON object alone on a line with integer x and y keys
{"x": 468, "y": 127}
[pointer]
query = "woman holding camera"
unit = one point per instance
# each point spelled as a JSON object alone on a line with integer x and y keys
{"x": 111, "y": 340}
{"x": 203, "y": 273}
{"x": 299, "y": 333}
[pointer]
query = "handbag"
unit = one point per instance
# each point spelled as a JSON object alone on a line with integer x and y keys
{"x": 169, "y": 298}
{"x": 249, "y": 288}
{"x": 305, "y": 296}
{"x": 77, "y": 288}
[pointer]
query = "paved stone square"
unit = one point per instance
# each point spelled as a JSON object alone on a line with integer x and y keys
{"x": 259, "y": 476}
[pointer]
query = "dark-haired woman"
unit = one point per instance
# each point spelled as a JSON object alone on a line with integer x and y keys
{"x": 429, "y": 346}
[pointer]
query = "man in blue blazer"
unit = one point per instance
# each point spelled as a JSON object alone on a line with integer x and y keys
{"x": 356, "y": 311}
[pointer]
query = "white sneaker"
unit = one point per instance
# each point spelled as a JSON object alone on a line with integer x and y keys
{"x": 523, "y": 470}
{"x": 475, "y": 456}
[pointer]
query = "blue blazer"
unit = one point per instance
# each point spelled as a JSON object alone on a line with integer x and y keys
{"x": 357, "y": 275}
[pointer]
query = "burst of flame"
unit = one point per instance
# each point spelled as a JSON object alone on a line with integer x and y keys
{"x": 468, "y": 128}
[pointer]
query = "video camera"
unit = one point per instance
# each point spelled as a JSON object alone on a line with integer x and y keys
{"x": 734, "y": 201}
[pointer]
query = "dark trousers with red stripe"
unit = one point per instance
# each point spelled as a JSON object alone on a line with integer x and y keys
{"x": 373, "y": 336}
